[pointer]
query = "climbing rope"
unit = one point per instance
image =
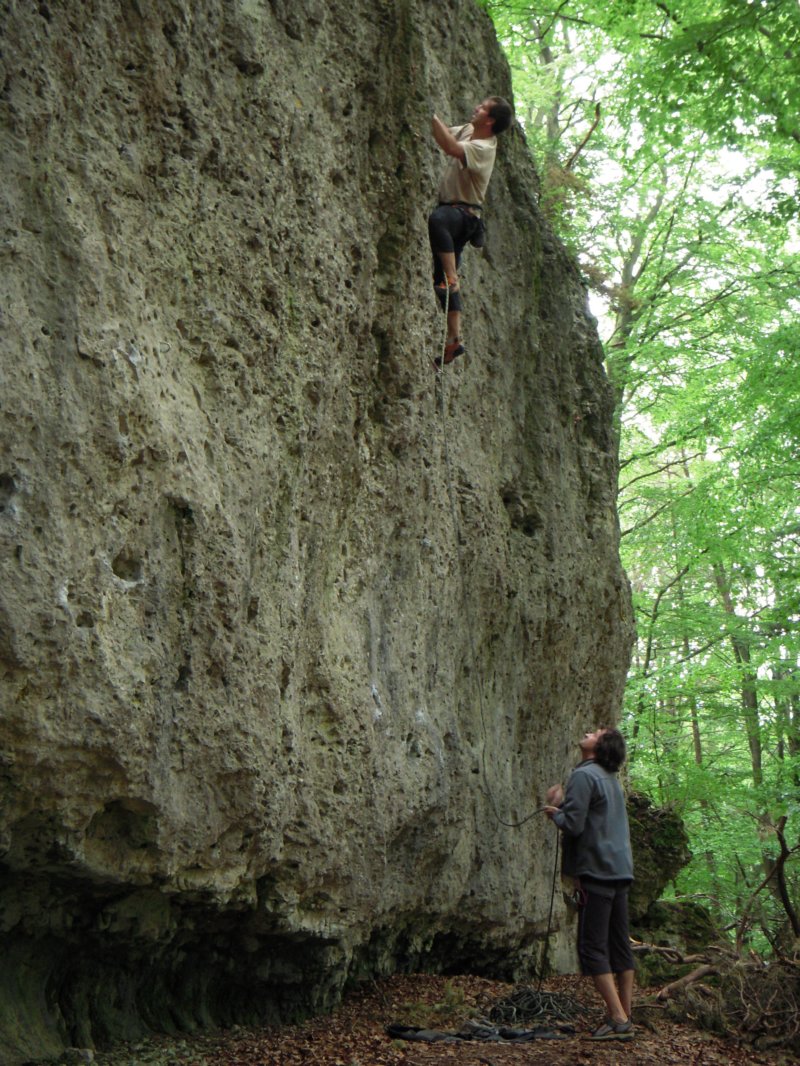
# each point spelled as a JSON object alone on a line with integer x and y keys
{"x": 440, "y": 369}
{"x": 545, "y": 959}
{"x": 525, "y": 1005}
{"x": 545, "y": 1004}
{"x": 446, "y": 325}
{"x": 461, "y": 567}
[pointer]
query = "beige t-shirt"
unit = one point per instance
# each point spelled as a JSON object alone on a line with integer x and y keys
{"x": 468, "y": 184}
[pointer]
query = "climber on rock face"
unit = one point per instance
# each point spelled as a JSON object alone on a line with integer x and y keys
{"x": 457, "y": 219}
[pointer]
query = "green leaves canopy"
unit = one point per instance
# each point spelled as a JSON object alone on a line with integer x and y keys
{"x": 669, "y": 140}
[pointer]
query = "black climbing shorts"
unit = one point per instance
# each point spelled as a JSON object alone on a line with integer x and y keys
{"x": 603, "y": 936}
{"x": 451, "y": 228}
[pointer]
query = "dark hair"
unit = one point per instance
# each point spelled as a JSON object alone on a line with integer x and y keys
{"x": 610, "y": 751}
{"x": 501, "y": 113}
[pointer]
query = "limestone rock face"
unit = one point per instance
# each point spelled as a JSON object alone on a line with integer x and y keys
{"x": 291, "y": 635}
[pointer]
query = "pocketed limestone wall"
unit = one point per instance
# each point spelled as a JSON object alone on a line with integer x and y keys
{"x": 291, "y": 633}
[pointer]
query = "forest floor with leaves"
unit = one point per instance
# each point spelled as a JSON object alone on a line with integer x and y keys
{"x": 355, "y": 1034}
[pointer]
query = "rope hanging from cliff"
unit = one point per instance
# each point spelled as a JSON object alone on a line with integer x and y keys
{"x": 549, "y": 918}
{"x": 461, "y": 568}
{"x": 538, "y": 999}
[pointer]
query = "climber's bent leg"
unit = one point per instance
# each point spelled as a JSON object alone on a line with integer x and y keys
{"x": 450, "y": 267}
{"x": 447, "y": 230}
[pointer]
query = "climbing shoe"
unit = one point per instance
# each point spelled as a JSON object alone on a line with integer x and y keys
{"x": 451, "y": 351}
{"x": 613, "y": 1031}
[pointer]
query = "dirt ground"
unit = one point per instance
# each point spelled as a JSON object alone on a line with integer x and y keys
{"x": 355, "y": 1034}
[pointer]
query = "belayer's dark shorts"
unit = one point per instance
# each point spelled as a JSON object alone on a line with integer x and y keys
{"x": 603, "y": 935}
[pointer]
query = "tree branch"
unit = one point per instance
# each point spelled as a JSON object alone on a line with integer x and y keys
{"x": 585, "y": 141}
{"x": 690, "y": 978}
{"x": 654, "y": 514}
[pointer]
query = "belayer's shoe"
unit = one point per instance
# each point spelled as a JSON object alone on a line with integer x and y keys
{"x": 610, "y": 1030}
{"x": 452, "y": 350}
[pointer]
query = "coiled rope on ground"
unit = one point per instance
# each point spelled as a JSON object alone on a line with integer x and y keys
{"x": 526, "y": 1004}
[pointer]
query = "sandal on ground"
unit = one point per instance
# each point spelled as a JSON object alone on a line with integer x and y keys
{"x": 452, "y": 350}
{"x": 610, "y": 1030}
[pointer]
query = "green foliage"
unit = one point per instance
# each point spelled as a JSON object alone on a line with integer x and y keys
{"x": 669, "y": 140}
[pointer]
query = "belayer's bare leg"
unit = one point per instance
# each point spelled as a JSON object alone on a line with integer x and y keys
{"x": 625, "y": 988}
{"x": 604, "y": 983}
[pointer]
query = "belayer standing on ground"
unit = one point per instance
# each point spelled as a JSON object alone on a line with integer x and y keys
{"x": 471, "y": 151}
{"x": 593, "y": 819}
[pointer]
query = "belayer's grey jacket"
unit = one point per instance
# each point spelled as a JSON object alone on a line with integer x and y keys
{"x": 594, "y": 822}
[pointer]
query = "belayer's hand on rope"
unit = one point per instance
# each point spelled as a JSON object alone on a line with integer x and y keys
{"x": 555, "y": 797}
{"x": 516, "y": 825}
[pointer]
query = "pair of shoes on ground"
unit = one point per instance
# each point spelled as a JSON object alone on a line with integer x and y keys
{"x": 452, "y": 350}
{"x": 611, "y": 1030}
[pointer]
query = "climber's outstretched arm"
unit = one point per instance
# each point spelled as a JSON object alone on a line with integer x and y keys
{"x": 446, "y": 141}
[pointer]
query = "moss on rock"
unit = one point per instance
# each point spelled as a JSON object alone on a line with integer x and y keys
{"x": 660, "y": 850}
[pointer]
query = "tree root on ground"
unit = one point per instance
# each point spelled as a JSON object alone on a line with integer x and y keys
{"x": 756, "y": 1001}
